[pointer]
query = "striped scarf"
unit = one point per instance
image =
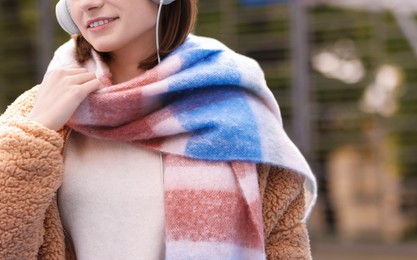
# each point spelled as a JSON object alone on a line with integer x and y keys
{"x": 210, "y": 112}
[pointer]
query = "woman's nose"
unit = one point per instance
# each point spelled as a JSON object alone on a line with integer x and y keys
{"x": 87, "y": 5}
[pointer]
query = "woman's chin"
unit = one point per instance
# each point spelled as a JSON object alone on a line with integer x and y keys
{"x": 102, "y": 48}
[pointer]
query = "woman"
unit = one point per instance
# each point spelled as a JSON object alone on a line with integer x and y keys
{"x": 117, "y": 156}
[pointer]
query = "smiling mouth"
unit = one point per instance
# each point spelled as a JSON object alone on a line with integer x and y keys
{"x": 100, "y": 22}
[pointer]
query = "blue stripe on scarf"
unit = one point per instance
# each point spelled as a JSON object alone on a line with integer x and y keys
{"x": 213, "y": 69}
{"x": 203, "y": 111}
{"x": 213, "y": 95}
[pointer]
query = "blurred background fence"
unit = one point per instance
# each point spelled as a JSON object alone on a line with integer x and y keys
{"x": 345, "y": 75}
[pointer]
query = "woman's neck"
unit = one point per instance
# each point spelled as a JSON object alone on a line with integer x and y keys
{"x": 124, "y": 64}
{"x": 124, "y": 71}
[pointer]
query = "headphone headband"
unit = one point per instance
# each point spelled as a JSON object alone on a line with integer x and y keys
{"x": 63, "y": 15}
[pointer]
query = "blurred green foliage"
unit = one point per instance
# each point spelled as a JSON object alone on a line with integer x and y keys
{"x": 19, "y": 44}
{"x": 17, "y": 48}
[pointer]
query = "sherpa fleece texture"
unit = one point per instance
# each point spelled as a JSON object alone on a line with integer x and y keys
{"x": 31, "y": 168}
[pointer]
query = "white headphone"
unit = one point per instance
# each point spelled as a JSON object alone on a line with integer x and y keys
{"x": 63, "y": 15}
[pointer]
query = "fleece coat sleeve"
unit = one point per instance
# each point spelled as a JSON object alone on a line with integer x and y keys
{"x": 286, "y": 236}
{"x": 31, "y": 168}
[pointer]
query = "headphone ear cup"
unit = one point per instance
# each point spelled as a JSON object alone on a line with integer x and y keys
{"x": 63, "y": 15}
{"x": 164, "y": 2}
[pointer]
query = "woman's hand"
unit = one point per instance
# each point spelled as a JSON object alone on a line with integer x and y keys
{"x": 60, "y": 93}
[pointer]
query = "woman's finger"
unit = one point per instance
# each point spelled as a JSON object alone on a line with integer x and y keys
{"x": 91, "y": 86}
{"x": 75, "y": 70}
{"x": 81, "y": 78}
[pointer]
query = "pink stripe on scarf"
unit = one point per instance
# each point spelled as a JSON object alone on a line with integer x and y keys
{"x": 200, "y": 211}
{"x": 215, "y": 216}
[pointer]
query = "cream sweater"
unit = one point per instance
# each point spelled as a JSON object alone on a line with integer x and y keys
{"x": 111, "y": 200}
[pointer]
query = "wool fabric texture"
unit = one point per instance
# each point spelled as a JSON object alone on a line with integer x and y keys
{"x": 210, "y": 112}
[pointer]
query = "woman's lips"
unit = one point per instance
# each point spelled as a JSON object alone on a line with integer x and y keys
{"x": 100, "y": 23}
